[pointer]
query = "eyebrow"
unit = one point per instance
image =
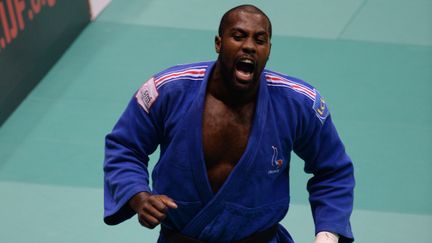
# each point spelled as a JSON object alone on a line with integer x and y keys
{"x": 263, "y": 32}
{"x": 237, "y": 29}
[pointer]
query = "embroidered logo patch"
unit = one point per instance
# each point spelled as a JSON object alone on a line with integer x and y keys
{"x": 147, "y": 95}
{"x": 320, "y": 107}
{"x": 276, "y": 162}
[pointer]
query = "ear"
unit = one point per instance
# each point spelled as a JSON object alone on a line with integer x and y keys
{"x": 218, "y": 43}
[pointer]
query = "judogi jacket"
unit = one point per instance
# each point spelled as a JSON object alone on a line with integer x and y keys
{"x": 290, "y": 116}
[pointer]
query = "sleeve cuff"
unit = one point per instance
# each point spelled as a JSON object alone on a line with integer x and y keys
{"x": 121, "y": 211}
{"x": 344, "y": 231}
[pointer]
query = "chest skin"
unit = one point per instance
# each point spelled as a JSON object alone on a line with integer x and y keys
{"x": 225, "y": 136}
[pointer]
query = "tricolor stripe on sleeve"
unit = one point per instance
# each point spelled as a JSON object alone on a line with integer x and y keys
{"x": 279, "y": 81}
{"x": 190, "y": 73}
{"x": 318, "y": 105}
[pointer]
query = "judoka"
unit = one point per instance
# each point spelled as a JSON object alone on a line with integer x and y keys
{"x": 226, "y": 130}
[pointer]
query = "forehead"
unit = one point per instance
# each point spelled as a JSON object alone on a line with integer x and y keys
{"x": 246, "y": 20}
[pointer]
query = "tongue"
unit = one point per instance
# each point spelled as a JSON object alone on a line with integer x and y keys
{"x": 244, "y": 72}
{"x": 243, "y": 75}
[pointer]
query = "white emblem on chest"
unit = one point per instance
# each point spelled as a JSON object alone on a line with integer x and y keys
{"x": 276, "y": 162}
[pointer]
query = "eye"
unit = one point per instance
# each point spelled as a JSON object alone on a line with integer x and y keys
{"x": 238, "y": 37}
{"x": 261, "y": 40}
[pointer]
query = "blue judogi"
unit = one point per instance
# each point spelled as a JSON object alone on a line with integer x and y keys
{"x": 290, "y": 116}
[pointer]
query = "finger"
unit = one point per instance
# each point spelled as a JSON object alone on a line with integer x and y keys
{"x": 144, "y": 223}
{"x": 148, "y": 221}
{"x": 152, "y": 211}
{"x": 168, "y": 201}
{"x": 157, "y": 203}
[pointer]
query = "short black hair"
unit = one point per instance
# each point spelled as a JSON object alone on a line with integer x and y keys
{"x": 248, "y": 8}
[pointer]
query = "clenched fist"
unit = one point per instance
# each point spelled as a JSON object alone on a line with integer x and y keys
{"x": 151, "y": 209}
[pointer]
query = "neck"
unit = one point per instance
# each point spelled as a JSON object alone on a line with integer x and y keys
{"x": 219, "y": 87}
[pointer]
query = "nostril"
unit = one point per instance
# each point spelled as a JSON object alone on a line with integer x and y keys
{"x": 248, "y": 49}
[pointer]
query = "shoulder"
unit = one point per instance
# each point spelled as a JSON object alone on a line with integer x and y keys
{"x": 287, "y": 85}
{"x": 183, "y": 78}
{"x": 182, "y": 72}
{"x": 298, "y": 91}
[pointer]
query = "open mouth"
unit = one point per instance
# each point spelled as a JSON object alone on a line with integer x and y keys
{"x": 245, "y": 69}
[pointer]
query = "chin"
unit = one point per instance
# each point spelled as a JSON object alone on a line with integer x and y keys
{"x": 244, "y": 86}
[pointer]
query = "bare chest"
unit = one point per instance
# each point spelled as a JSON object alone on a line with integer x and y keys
{"x": 225, "y": 137}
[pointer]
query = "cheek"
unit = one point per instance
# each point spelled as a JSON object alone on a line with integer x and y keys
{"x": 265, "y": 54}
{"x": 230, "y": 46}
{"x": 227, "y": 54}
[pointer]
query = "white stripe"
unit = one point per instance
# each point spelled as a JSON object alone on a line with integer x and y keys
{"x": 183, "y": 70}
{"x": 284, "y": 80}
{"x": 176, "y": 79}
{"x": 178, "y": 74}
{"x": 296, "y": 90}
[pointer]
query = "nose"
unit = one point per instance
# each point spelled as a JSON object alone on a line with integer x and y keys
{"x": 249, "y": 46}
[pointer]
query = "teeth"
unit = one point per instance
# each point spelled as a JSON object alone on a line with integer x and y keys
{"x": 247, "y": 61}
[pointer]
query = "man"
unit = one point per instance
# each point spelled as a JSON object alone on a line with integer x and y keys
{"x": 226, "y": 130}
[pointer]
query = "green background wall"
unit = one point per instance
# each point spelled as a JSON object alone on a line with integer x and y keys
{"x": 33, "y": 36}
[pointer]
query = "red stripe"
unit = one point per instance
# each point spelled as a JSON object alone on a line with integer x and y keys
{"x": 177, "y": 74}
{"x": 311, "y": 93}
{"x": 293, "y": 85}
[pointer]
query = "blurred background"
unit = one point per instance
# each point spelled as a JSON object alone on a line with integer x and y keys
{"x": 370, "y": 59}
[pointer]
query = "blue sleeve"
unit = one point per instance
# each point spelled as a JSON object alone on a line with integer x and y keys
{"x": 134, "y": 137}
{"x": 332, "y": 184}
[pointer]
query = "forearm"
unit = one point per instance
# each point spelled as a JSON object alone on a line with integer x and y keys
{"x": 331, "y": 198}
